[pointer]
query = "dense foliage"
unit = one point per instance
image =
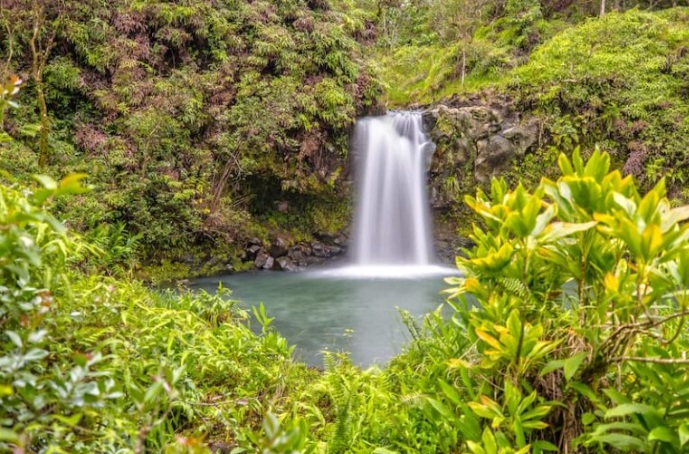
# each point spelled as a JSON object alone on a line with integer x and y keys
{"x": 199, "y": 121}
{"x": 193, "y": 119}
{"x": 619, "y": 82}
{"x": 568, "y": 333}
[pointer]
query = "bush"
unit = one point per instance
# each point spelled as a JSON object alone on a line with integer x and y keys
{"x": 579, "y": 319}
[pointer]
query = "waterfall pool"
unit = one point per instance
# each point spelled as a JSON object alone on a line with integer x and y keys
{"x": 355, "y": 308}
{"x": 336, "y": 309}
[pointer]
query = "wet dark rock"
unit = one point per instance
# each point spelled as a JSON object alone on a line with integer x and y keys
{"x": 281, "y": 255}
{"x": 493, "y": 156}
{"x": 279, "y": 247}
{"x": 297, "y": 255}
{"x": 286, "y": 264}
{"x": 261, "y": 259}
{"x": 221, "y": 447}
{"x": 476, "y": 140}
{"x": 448, "y": 244}
{"x": 252, "y": 251}
{"x": 320, "y": 250}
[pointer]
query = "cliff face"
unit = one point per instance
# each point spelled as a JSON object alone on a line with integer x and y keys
{"x": 474, "y": 144}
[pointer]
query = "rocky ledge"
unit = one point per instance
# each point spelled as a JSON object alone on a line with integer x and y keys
{"x": 476, "y": 140}
{"x": 282, "y": 255}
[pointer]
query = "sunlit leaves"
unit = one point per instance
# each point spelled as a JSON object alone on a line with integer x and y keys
{"x": 617, "y": 261}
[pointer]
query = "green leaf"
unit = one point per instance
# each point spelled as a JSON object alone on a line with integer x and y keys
{"x": 489, "y": 442}
{"x": 631, "y": 409}
{"x": 683, "y": 432}
{"x": 441, "y": 408}
{"x": 662, "y": 433}
{"x": 558, "y": 230}
{"x": 153, "y": 391}
{"x": 450, "y": 392}
{"x": 551, "y": 366}
{"x": 572, "y": 365}
{"x": 8, "y": 435}
{"x": 14, "y": 337}
{"x": 542, "y": 445}
{"x": 622, "y": 442}
{"x": 587, "y": 418}
{"x": 46, "y": 182}
{"x": 71, "y": 184}
{"x": 71, "y": 421}
{"x": 584, "y": 390}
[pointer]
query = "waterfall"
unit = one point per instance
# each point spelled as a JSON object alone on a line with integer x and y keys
{"x": 392, "y": 218}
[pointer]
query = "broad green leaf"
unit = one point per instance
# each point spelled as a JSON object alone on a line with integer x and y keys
{"x": 71, "y": 184}
{"x": 631, "y": 409}
{"x": 489, "y": 441}
{"x": 551, "y": 366}
{"x": 14, "y": 337}
{"x": 71, "y": 421}
{"x": 683, "y": 433}
{"x": 542, "y": 445}
{"x": 476, "y": 448}
{"x": 46, "y": 182}
{"x": 662, "y": 433}
{"x": 558, "y": 230}
{"x": 441, "y": 408}
{"x": 450, "y": 392}
{"x": 572, "y": 365}
{"x": 565, "y": 164}
{"x": 675, "y": 216}
{"x": 622, "y": 441}
{"x": 381, "y": 450}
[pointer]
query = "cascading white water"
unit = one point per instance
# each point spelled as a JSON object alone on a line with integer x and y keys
{"x": 392, "y": 220}
{"x": 392, "y": 227}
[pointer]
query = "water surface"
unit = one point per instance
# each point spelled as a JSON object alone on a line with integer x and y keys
{"x": 329, "y": 310}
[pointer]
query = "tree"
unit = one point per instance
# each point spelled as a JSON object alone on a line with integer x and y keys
{"x": 459, "y": 20}
{"x": 36, "y": 27}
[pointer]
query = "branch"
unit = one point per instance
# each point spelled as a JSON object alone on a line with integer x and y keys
{"x": 642, "y": 359}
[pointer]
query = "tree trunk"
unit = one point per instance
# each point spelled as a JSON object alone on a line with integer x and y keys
{"x": 39, "y": 58}
{"x": 602, "y": 8}
{"x": 464, "y": 62}
{"x": 43, "y": 150}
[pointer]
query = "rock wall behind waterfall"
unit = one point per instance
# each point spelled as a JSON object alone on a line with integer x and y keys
{"x": 475, "y": 141}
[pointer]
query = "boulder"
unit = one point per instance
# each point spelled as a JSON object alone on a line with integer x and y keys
{"x": 493, "y": 156}
{"x": 261, "y": 259}
{"x": 279, "y": 248}
{"x": 252, "y": 251}
{"x": 476, "y": 140}
{"x": 522, "y": 137}
{"x": 297, "y": 255}
{"x": 270, "y": 263}
{"x": 286, "y": 264}
{"x": 320, "y": 250}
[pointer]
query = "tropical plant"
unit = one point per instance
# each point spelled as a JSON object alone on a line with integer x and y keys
{"x": 580, "y": 309}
